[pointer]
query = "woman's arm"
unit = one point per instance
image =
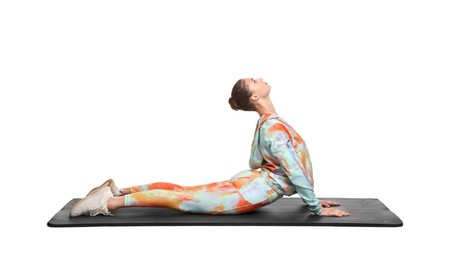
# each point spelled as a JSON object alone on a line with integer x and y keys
{"x": 278, "y": 140}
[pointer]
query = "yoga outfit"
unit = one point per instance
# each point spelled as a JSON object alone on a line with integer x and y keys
{"x": 279, "y": 165}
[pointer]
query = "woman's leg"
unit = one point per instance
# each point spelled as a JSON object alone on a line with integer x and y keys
{"x": 184, "y": 198}
{"x": 168, "y": 186}
{"x": 151, "y": 186}
{"x": 245, "y": 192}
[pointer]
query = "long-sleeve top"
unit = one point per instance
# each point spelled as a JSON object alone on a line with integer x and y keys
{"x": 278, "y": 150}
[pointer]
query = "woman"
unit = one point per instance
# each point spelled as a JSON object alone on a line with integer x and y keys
{"x": 280, "y": 165}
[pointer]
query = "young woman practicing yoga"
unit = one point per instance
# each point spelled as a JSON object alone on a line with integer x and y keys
{"x": 279, "y": 165}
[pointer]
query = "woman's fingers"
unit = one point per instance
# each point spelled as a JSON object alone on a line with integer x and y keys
{"x": 334, "y": 212}
{"x": 342, "y": 213}
{"x": 333, "y": 203}
{"x": 327, "y": 203}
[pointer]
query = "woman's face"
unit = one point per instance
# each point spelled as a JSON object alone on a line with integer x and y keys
{"x": 258, "y": 88}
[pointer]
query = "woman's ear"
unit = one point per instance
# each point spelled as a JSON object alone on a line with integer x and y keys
{"x": 255, "y": 98}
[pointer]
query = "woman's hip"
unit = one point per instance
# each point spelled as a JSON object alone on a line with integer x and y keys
{"x": 254, "y": 188}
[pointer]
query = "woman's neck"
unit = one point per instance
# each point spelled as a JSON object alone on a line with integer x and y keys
{"x": 266, "y": 107}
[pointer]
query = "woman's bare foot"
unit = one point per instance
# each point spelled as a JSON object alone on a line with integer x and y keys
{"x": 116, "y": 202}
{"x": 124, "y": 191}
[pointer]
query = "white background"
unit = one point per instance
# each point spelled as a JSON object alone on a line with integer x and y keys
{"x": 138, "y": 91}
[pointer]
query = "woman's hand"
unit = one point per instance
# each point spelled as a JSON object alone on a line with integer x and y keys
{"x": 327, "y": 203}
{"x": 333, "y": 212}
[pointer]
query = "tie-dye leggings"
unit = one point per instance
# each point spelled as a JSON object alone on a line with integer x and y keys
{"x": 244, "y": 192}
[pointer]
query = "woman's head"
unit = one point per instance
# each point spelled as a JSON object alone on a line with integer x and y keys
{"x": 247, "y": 92}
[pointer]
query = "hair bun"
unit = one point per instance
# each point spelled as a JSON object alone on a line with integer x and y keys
{"x": 233, "y": 104}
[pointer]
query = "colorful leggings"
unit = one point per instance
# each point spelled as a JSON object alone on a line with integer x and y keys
{"x": 244, "y": 192}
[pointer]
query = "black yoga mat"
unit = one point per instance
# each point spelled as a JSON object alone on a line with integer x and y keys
{"x": 284, "y": 212}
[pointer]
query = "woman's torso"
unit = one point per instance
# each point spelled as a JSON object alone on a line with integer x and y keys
{"x": 263, "y": 159}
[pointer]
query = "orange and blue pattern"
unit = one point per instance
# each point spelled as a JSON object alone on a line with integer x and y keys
{"x": 244, "y": 192}
{"x": 280, "y": 165}
{"x": 281, "y": 153}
